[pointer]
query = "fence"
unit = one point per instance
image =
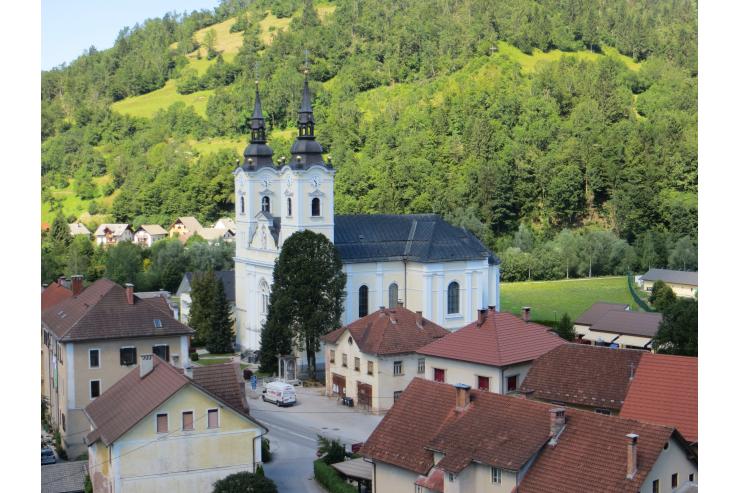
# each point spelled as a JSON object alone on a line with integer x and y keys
{"x": 640, "y": 302}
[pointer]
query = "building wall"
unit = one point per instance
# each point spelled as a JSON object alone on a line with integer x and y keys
{"x": 388, "y": 478}
{"x": 478, "y": 478}
{"x": 673, "y": 460}
{"x": 182, "y": 460}
{"x": 682, "y": 290}
{"x": 465, "y": 372}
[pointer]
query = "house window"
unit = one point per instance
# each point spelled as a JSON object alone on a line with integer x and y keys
{"x": 396, "y": 395}
{"x": 128, "y": 356}
{"x": 241, "y": 204}
{"x": 439, "y": 375}
{"x": 331, "y": 356}
{"x": 213, "y": 418}
{"x": 656, "y": 486}
{"x": 393, "y": 295}
{"x": 264, "y": 297}
{"x": 315, "y": 207}
{"x": 603, "y": 411}
{"x": 674, "y": 480}
{"x": 397, "y": 368}
{"x": 495, "y": 475}
{"x": 162, "y": 350}
{"x": 290, "y": 207}
{"x": 363, "y": 301}
{"x": 420, "y": 365}
{"x": 265, "y": 204}
{"x": 94, "y": 355}
{"x": 451, "y": 477}
{"x": 162, "y": 423}
{"x": 484, "y": 383}
{"x": 344, "y": 360}
{"x": 357, "y": 364}
{"x": 94, "y": 388}
{"x": 64, "y": 422}
{"x": 187, "y": 420}
{"x": 157, "y": 323}
{"x": 511, "y": 383}
{"x": 691, "y": 477}
{"x": 370, "y": 367}
{"x": 453, "y": 298}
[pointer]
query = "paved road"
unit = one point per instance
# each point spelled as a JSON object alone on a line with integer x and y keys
{"x": 293, "y": 434}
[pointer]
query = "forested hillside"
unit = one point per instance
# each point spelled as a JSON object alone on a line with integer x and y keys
{"x": 562, "y": 132}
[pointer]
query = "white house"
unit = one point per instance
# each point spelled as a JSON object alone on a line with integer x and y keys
{"x": 111, "y": 234}
{"x": 77, "y": 228}
{"x": 419, "y": 259}
{"x": 146, "y": 234}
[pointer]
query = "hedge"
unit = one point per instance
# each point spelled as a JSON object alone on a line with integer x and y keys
{"x": 329, "y": 478}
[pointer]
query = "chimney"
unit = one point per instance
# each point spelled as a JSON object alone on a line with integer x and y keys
{"x": 76, "y": 285}
{"x": 481, "y": 316}
{"x": 63, "y": 281}
{"x": 525, "y": 313}
{"x": 419, "y": 319}
{"x": 129, "y": 293}
{"x": 492, "y": 308}
{"x": 631, "y": 455}
{"x": 147, "y": 364}
{"x": 557, "y": 423}
{"x": 188, "y": 371}
{"x": 462, "y": 396}
{"x": 400, "y": 303}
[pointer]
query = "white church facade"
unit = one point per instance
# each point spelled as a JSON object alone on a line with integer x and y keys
{"x": 416, "y": 259}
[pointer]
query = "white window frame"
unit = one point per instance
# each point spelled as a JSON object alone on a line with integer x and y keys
{"x": 496, "y": 474}
{"x": 400, "y": 366}
{"x": 128, "y": 347}
{"x": 458, "y": 313}
{"x": 89, "y": 388}
{"x": 320, "y": 214}
{"x": 421, "y": 365}
{"x": 182, "y": 413}
{"x": 506, "y": 382}
{"x": 162, "y": 345}
{"x": 89, "y": 367}
{"x": 218, "y": 418}
{"x": 603, "y": 411}
{"x": 156, "y": 416}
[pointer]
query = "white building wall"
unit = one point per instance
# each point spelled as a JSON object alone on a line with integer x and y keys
{"x": 465, "y": 372}
{"x": 388, "y": 478}
{"x": 671, "y": 460}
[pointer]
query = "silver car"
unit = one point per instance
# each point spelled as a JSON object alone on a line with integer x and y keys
{"x": 47, "y": 456}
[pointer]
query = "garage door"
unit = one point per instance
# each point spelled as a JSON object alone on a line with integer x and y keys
{"x": 338, "y": 384}
{"x": 364, "y": 394}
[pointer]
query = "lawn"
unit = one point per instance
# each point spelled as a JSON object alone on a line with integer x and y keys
{"x": 549, "y": 300}
{"x": 215, "y": 144}
{"x": 212, "y": 361}
{"x": 148, "y": 104}
{"x": 530, "y": 62}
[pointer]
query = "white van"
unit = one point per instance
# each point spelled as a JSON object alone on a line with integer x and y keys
{"x": 280, "y": 393}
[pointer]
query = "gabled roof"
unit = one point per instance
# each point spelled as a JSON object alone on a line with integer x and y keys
{"x": 133, "y": 398}
{"x": 191, "y": 223}
{"x": 416, "y": 237}
{"x": 225, "y": 276}
{"x": 389, "y": 331}
{"x": 227, "y": 223}
{"x": 53, "y": 294}
{"x": 665, "y": 391}
{"x": 503, "y": 339}
{"x": 642, "y": 324}
{"x": 672, "y": 276}
{"x": 597, "y": 311}
{"x": 152, "y": 229}
{"x": 585, "y": 375}
{"x": 115, "y": 229}
{"x": 212, "y": 234}
{"x": 78, "y": 228}
{"x": 102, "y": 312}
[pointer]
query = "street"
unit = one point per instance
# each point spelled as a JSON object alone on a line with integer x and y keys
{"x": 293, "y": 432}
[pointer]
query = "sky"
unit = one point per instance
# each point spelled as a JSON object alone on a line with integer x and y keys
{"x": 68, "y": 27}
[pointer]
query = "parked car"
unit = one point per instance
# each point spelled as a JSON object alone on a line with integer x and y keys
{"x": 47, "y": 456}
{"x": 280, "y": 393}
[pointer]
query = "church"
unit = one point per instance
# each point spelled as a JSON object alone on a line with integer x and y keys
{"x": 418, "y": 260}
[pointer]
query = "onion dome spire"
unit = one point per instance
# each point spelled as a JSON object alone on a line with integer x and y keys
{"x": 257, "y": 154}
{"x": 306, "y": 151}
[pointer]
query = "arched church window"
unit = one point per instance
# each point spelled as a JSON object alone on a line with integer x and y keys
{"x": 290, "y": 207}
{"x": 264, "y": 297}
{"x": 241, "y": 204}
{"x": 453, "y": 298}
{"x": 393, "y": 295}
{"x": 363, "y": 301}
{"x": 315, "y": 207}
{"x": 265, "y": 204}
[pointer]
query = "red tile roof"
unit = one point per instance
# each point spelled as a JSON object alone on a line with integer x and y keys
{"x": 503, "y": 339}
{"x": 435, "y": 481}
{"x": 102, "y": 312}
{"x": 389, "y": 331}
{"x": 665, "y": 391}
{"x": 580, "y": 374}
{"x": 53, "y": 294}
{"x": 597, "y": 311}
{"x": 224, "y": 381}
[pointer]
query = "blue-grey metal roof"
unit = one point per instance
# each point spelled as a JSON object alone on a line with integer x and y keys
{"x": 416, "y": 237}
{"x": 672, "y": 276}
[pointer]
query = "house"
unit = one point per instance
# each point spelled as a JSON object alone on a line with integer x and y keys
{"x": 685, "y": 284}
{"x": 77, "y": 228}
{"x": 654, "y": 388}
{"x": 608, "y": 324}
{"x": 64, "y": 477}
{"x": 184, "y": 226}
{"x": 493, "y": 353}
{"x": 161, "y": 429}
{"x": 146, "y": 234}
{"x": 373, "y": 359}
{"x": 183, "y": 291}
{"x": 90, "y": 340}
{"x": 444, "y": 438}
{"x": 212, "y": 235}
{"x": 111, "y": 234}
{"x": 225, "y": 223}
{"x": 419, "y": 259}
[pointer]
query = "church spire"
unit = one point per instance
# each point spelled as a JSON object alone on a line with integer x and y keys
{"x": 306, "y": 151}
{"x": 257, "y": 154}
{"x": 305, "y": 113}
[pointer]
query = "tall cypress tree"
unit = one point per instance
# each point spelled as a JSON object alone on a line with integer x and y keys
{"x": 202, "y": 292}
{"x": 220, "y": 333}
{"x": 60, "y": 234}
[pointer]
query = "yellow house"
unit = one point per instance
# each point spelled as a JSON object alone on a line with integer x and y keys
{"x": 684, "y": 283}
{"x": 160, "y": 429}
{"x": 185, "y": 226}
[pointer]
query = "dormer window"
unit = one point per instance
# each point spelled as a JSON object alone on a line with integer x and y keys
{"x": 157, "y": 323}
{"x": 265, "y": 204}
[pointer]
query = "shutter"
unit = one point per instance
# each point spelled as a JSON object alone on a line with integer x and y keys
{"x": 123, "y": 357}
{"x": 161, "y": 423}
{"x": 187, "y": 420}
{"x": 213, "y": 418}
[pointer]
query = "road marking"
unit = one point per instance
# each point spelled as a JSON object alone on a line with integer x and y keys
{"x": 285, "y": 430}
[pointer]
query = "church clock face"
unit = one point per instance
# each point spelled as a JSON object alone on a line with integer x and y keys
{"x": 315, "y": 181}
{"x": 265, "y": 183}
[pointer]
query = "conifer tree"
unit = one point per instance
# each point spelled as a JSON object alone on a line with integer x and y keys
{"x": 220, "y": 333}
{"x": 60, "y": 234}
{"x": 202, "y": 292}
{"x": 565, "y": 329}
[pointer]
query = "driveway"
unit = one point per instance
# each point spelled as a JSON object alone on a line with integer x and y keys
{"x": 293, "y": 432}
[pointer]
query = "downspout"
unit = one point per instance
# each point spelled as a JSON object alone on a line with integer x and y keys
{"x": 405, "y": 284}
{"x": 254, "y": 452}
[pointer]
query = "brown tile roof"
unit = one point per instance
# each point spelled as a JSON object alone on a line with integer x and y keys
{"x": 224, "y": 381}
{"x": 389, "y": 331}
{"x": 435, "y": 481}
{"x": 53, "y": 294}
{"x": 153, "y": 229}
{"x": 102, "y": 312}
{"x": 190, "y": 223}
{"x": 632, "y": 323}
{"x": 502, "y": 339}
{"x": 582, "y": 375}
{"x": 597, "y": 311}
{"x": 665, "y": 391}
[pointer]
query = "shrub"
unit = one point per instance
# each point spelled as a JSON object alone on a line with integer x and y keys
{"x": 194, "y": 356}
{"x": 88, "y": 484}
{"x": 331, "y": 451}
{"x": 82, "y": 456}
{"x": 266, "y": 454}
{"x": 247, "y": 373}
{"x": 329, "y": 478}
{"x": 242, "y": 482}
